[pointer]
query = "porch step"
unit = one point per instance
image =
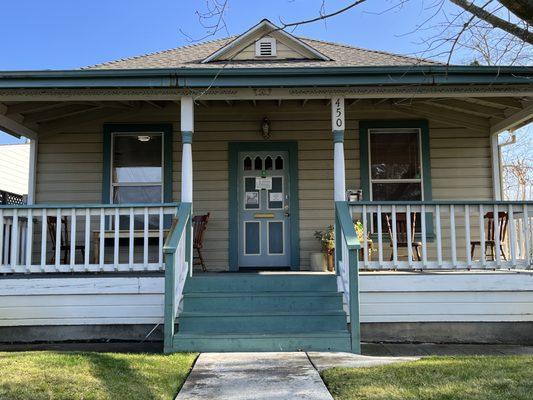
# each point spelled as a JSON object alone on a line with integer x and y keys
{"x": 301, "y": 341}
{"x": 248, "y": 302}
{"x": 262, "y": 312}
{"x": 250, "y": 282}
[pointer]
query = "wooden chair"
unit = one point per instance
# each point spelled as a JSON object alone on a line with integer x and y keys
{"x": 200, "y": 226}
{"x": 490, "y": 241}
{"x": 64, "y": 240}
{"x": 401, "y": 234}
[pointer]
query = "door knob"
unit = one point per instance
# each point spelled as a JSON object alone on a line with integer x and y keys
{"x": 287, "y": 214}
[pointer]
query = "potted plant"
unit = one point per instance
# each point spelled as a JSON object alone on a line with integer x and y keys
{"x": 327, "y": 243}
{"x": 360, "y": 230}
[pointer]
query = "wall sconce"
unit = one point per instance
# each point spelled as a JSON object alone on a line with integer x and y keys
{"x": 265, "y": 128}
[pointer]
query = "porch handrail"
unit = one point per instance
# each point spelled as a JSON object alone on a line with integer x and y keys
{"x": 178, "y": 265}
{"x": 346, "y": 261}
{"x": 448, "y": 234}
{"x": 59, "y": 238}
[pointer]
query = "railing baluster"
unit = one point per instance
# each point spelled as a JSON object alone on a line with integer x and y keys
{"x": 29, "y": 241}
{"x": 452, "y": 236}
{"x": 409, "y": 238}
{"x": 380, "y": 237}
{"x": 439, "y": 235}
{"x": 131, "y": 238}
{"x": 467, "y": 237}
{"x": 527, "y": 229}
{"x": 145, "y": 244}
{"x": 482, "y": 249}
{"x": 424, "y": 236}
{"x": 496, "y": 233}
{"x": 365, "y": 242}
{"x": 102, "y": 240}
{"x": 73, "y": 239}
{"x": 44, "y": 225}
{"x": 512, "y": 236}
{"x": 394, "y": 238}
{"x": 116, "y": 239}
{"x": 160, "y": 248}
{"x": 58, "y": 240}
{"x": 7, "y": 241}
{"x": 14, "y": 240}
{"x": 87, "y": 251}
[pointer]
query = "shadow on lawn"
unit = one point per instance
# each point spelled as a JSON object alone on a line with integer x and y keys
{"x": 119, "y": 378}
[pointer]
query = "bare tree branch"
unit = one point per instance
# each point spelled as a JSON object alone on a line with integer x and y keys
{"x": 523, "y": 9}
{"x": 494, "y": 20}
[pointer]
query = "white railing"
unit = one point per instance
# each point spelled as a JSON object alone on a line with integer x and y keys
{"x": 445, "y": 234}
{"x": 179, "y": 265}
{"x": 88, "y": 238}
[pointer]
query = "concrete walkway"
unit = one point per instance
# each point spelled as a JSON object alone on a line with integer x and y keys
{"x": 268, "y": 376}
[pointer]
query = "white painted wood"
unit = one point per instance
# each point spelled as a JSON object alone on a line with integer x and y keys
{"x": 528, "y": 234}
{"x": 496, "y": 167}
{"x": 394, "y": 238}
{"x": 339, "y": 178}
{"x": 32, "y": 173}
{"x": 365, "y": 235}
{"x": 131, "y": 241}
{"x": 58, "y": 239}
{"x": 101, "y": 243}
{"x": 497, "y": 235}
{"x": 14, "y": 239}
{"x": 409, "y": 237}
{"x": 187, "y": 114}
{"x": 512, "y": 234}
{"x": 116, "y": 242}
{"x": 160, "y": 247}
{"x": 482, "y": 249}
{"x": 439, "y": 235}
{"x": 385, "y": 297}
{"x": 468, "y": 239}
{"x": 337, "y": 114}
{"x": 29, "y": 240}
{"x": 186, "y": 174}
{"x": 380, "y": 235}
{"x": 145, "y": 238}
{"x": 452, "y": 233}
{"x": 73, "y": 221}
{"x": 87, "y": 242}
{"x": 44, "y": 235}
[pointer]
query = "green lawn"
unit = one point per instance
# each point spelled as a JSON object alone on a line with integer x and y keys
{"x": 437, "y": 378}
{"x": 92, "y": 376}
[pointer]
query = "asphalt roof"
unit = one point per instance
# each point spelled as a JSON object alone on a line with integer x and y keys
{"x": 341, "y": 55}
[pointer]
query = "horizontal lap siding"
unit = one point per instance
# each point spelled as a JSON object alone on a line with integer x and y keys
{"x": 466, "y": 297}
{"x": 70, "y": 163}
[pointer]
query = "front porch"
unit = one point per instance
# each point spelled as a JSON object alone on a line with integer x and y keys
{"x": 215, "y": 157}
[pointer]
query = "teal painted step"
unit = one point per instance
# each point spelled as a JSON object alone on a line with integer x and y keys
{"x": 268, "y": 322}
{"x": 247, "y": 302}
{"x": 261, "y": 283}
{"x": 322, "y": 341}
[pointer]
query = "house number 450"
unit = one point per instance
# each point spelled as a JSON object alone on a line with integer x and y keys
{"x": 337, "y": 111}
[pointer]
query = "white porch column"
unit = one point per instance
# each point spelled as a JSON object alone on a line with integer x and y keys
{"x": 496, "y": 167}
{"x": 187, "y": 129}
{"x": 337, "y": 126}
{"x": 32, "y": 173}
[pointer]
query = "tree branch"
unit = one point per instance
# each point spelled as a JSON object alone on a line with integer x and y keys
{"x": 523, "y": 9}
{"x": 495, "y": 21}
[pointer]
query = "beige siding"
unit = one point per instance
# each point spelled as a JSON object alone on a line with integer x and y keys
{"x": 70, "y": 163}
{"x": 14, "y": 168}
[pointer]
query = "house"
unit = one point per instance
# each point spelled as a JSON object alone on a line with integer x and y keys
{"x": 14, "y": 170}
{"x": 267, "y": 132}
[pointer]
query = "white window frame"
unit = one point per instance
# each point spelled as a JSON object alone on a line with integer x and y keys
{"x": 113, "y": 184}
{"x": 411, "y": 180}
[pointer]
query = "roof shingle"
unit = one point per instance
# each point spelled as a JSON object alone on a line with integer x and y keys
{"x": 341, "y": 55}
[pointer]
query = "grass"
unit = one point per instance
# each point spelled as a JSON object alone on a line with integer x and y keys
{"x": 92, "y": 376}
{"x": 437, "y": 378}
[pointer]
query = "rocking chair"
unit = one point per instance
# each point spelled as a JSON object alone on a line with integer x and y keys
{"x": 490, "y": 241}
{"x": 401, "y": 234}
{"x": 200, "y": 226}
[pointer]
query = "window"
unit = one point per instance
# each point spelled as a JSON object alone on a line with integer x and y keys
{"x": 395, "y": 164}
{"x": 137, "y": 168}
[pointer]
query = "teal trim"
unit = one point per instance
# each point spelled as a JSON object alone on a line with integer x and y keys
{"x": 180, "y": 226}
{"x": 233, "y": 150}
{"x": 109, "y": 129}
{"x": 338, "y": 136}
{"x": 261, "y": 77}
{"x": 186, "y": 137}
{"x": 423, "y": 125}
{"x": 344, "y": 223}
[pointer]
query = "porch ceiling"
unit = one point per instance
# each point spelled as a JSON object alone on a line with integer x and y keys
{"x": 34, "y": 118}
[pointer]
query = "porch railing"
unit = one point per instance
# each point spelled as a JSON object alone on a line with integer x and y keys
{"x": 83, "y": 238}
{"x": 447, "y": 234}
{"x": 347, "y": 269}
{"x": 179, "y": 265}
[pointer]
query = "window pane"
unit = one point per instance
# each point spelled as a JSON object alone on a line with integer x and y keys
{"x": 275, "y": 196}
{"x": 136, "y": 160}
{"x": 395, "y": 155}
{"x": 396, "y": 191}
{"x": 279, "y": 162}
{"x": 137, "y": 194}
{"x": 251, "y": 196}
{"x": 275, "y": 237}
{"x": 247, "y": 164}
{"x": 252, "y": 237}
{"x": 268, "y": 163}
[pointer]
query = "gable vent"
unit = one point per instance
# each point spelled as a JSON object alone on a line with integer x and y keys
{"x": 265, "y": 47}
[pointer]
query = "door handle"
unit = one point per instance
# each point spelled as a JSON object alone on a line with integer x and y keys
{"x": 287, "y": 214}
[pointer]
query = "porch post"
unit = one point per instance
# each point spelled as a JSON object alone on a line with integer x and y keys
{"x": 32, "y": 171}
{"x": 338, "y": 124}
{"x": 187, "y": 129}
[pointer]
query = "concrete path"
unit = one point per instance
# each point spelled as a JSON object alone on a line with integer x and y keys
{"x": 268, "y": 376}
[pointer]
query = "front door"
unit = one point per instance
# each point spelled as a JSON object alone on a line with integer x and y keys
{"x": 263, "y": 201}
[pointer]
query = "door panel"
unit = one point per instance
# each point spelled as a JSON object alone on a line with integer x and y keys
{"x": 263, "y": 201}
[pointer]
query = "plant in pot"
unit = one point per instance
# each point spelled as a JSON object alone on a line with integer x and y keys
{"x": 327, "y": 243}
{"x": 360, "y": 230}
